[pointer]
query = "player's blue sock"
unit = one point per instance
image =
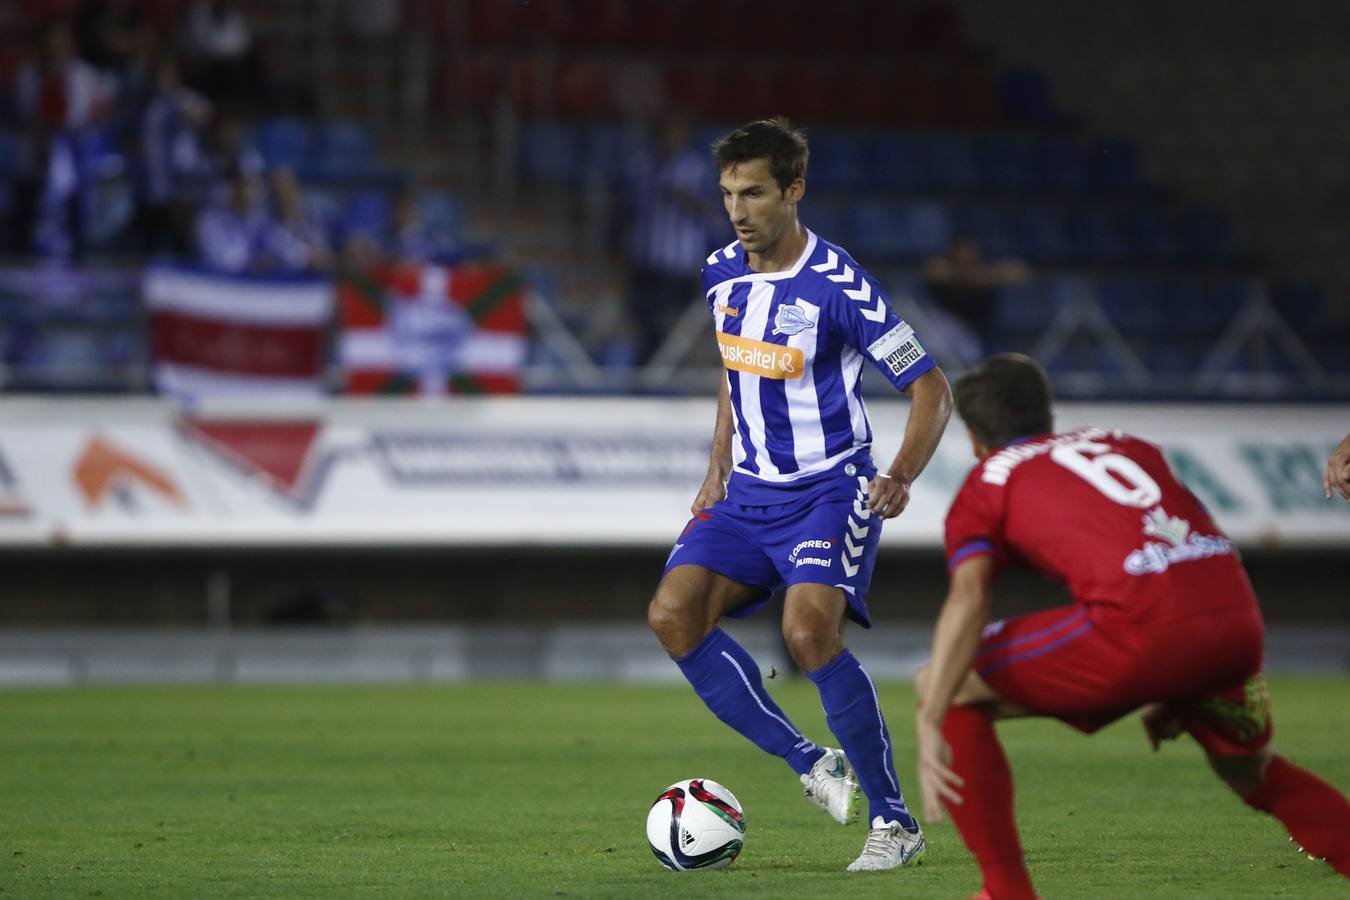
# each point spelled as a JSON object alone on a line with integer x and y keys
{"x": 727, "y": 679}
{"x": 854, "y": 715}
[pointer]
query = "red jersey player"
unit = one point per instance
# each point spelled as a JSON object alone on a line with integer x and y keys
{"x": 1164, "y": 618}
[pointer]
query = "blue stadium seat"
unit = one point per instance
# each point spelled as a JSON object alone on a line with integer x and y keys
{"x": 948, "y": 164}
{"x": 1004, "y": 164}
{"x": 1113, "y": 165}
{"x": 285, "y": 142}
{"x": 1171, "y": 357}
{"x": 1026, "y": 308}
{"x": 1024, "y": 96}
{"x": 368, "y": 213}
{"x": 985, "y": 225}
{"x": 893, "y": 160}
{"x": 927, "y": 228}
{"x": 829, "y": 221}
{"x": 345, "y": 148}
{"x": 1205, "y": 236}
{"x": 1301, "y": 303}
{"x": 1132, "y": 303}
{"x": 550, "y": 152}
{"x": 1148, "y": 234}
{"x": 836, "y": 163}
{"x": 1038, "y": 233}
{"x": 1094, "y": 236}
{"x": 877, "y": 233}
{"x": 610, "y": 149}
{"x": 1192, "y": 307}
{"x": 441, "y": 212}
{"x": 1058, "y": 164}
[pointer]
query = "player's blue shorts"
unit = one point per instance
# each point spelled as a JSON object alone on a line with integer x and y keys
{"x": 827, "y": 537}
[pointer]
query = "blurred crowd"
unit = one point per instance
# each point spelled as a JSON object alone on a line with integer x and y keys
{"x": 165, "y": 111}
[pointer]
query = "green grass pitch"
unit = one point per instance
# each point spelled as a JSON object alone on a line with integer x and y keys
{"x": 533, "y": 790}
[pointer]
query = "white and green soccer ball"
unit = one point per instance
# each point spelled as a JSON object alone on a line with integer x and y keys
{"x": 696, "y": 824}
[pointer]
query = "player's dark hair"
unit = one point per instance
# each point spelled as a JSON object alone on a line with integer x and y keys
{"x": 1003, "y": 398}
{"x": 775, "y": 140}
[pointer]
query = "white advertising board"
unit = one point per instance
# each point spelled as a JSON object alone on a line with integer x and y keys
{"x": 540, "y": 471}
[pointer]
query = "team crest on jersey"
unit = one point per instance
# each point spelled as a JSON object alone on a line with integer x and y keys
{"x": 792, "y": 319}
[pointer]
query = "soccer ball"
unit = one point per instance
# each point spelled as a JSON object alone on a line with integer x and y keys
{"x": 696, "y": 824}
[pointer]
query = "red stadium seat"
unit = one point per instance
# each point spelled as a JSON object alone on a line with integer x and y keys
{"x": 716, "y": 24}
{"x": 602, "y": 23}
{"x": 969, "y": 97}
{"x": 693, "y": 86}
{"x": 749, "y": 89}
{"x": 655, "y": 24}
{"x": 552, "y": 22}
{"x": 805, "y": 92}
{"x": 493, "y": 22}
{"x": 934, "y": 27}
{"x": 914, "y": 97}
{"x": 582, "y": 88}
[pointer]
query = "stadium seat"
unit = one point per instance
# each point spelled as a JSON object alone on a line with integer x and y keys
{"x": 581, "y": 88}
{"x": 602, "y": 23}
{"x": 1148, "y": 234}
{"x": 1113, "y": 165}
{"x": 1026, "y": 308}
{"x": 1193, "y": 308}
{"x": 694, "y": 86}
{"x": 285, "y": 142}
{"x": 809, "y": 93}
{"x": 892, "y": 160}
{"x": 1132, "y": 303}
{"x": 493, "y": 22}
{"x": 1205, "y": 236}
{"x": 927, "y": 227}
{"x": 551, "y": 22}
{"x": 836, "y": 162}
{"x": 1094, "y": 236}
{"x": 985, "y": 226}
{"x": 550, "y": 152}
{"x": 948, "y": 163}
{"x": 1024, "y": 97}
{"x": 344, "y": 148}
{"x": 441, "y": 212}
{"x": 368, "y": 213}
{"x": 1038, "y": 234}
{"x": 655, "y": 24}
{"x": 1301, "y": 303}
{"x": 1004, "y": 164}
{"x": 1057, "y": 164}
{"x": 877, "y": 233}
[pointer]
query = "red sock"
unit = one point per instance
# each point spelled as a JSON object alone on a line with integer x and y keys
{"x": 985, "y": 818}
{"x": 1314, "y": 812}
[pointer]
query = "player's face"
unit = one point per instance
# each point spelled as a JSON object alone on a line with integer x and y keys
{"x": 758, "y": 208}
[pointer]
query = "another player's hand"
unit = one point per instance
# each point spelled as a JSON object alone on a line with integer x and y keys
{"x": 887, "y": 496}
{"x": 1337, "y": 476}
{"x": 1160, "y": 724}
{"x": 936, "y": 779}
{"x": 714, "y": 488}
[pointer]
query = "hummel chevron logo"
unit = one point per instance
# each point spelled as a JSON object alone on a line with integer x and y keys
{"x": 859, "y": 531}
{"x": 862, "y": 293}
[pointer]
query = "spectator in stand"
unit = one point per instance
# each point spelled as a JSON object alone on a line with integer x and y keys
{"x": 1337, "y": 476}
{"x": 225, "y": 64}
{"x": 59, "y": 98}
{"x": 962, "y": 286}
{"x": 227, "y": 151}
{"x": 296, "y": 241}
{"x": 414, "y": 240}
{"x": 113, "y": 36}
{"x": 233, "y": 237}
{"x": 672, "y": 210}
{"x": 171, "y": 152}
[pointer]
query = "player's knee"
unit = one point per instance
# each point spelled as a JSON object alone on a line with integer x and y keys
{"x": 811, "y": 647}
{"x": 1244, "y": 773}
{"x": 675, "y": 622}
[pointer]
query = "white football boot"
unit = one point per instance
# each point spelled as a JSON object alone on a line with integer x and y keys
{"x": 833, "y": 787}
{"x": 888, "y": 847}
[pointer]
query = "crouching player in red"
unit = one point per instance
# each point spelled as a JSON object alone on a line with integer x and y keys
{"x": 1164, "y": 618}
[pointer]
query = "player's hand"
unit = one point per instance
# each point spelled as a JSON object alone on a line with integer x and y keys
{"x": 887, "y": 496}
{"x": 1337, "y": 476}
{"x": 937, "y": 781}
{"x": 1160, "y": 724}
{"x": 714, "y": 488}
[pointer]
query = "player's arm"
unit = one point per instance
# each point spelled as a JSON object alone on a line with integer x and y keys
{"x": 956, "y": 639}
{"x": 1337, "y": 476}
{"x": 930, "y": 408}
{"x": 719, "y": 466}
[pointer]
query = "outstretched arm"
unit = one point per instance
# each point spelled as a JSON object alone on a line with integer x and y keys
{"x": 930, "y": 408}
{"x": 1337, "y": 476}
{"x": 719, "y": 466}
{"x": 955, "y": 642}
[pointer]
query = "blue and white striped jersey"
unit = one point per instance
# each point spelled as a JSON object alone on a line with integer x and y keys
{"x": 793, "y": 343}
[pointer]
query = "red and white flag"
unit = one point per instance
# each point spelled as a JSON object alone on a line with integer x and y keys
{"x": 216, "y": 334}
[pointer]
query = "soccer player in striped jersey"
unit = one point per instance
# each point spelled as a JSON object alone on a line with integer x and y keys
{"x": 792, "y": 498}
